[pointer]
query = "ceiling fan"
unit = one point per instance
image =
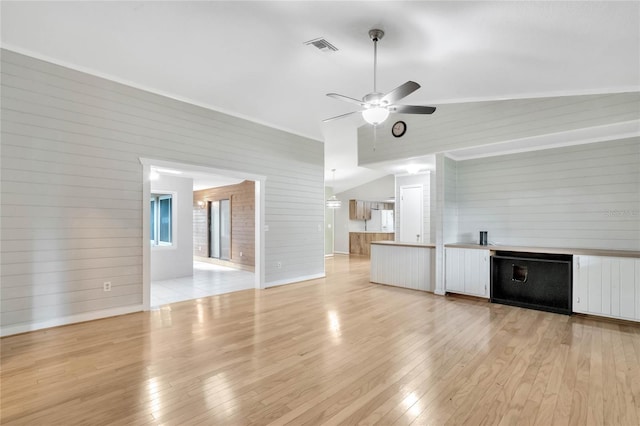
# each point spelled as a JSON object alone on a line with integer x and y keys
{"x": 377, "y": 106}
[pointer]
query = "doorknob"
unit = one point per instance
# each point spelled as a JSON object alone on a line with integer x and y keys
{"x": 417, "y": 237}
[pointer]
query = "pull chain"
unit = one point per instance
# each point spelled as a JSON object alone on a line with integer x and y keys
{"x": 375, "y": 136}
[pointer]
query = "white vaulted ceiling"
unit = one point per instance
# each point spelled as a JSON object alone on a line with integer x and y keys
{"x": 248, "y": 58}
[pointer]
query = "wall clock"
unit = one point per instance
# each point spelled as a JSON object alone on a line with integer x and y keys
{"x": 399, "y": 128}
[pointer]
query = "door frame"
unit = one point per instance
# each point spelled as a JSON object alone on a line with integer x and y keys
{"x": 421, "y": 215}
{"x": 260, "y": 182}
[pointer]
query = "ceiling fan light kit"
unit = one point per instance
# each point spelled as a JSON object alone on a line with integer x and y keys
{"x": 375, "y": 115}
{"x": 377, "y": 106}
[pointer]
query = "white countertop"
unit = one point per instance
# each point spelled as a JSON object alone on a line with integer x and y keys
{"x": 399, "y": 244}
{"x": 550, "y": 250}
{"x": 371, "y": 232}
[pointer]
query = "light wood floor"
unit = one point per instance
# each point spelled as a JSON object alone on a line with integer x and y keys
{"x": 333, "y": 351}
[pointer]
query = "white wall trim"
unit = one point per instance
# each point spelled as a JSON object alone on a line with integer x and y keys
{"x": 71, "y": 319}
{"x": 294, "y": 280}
{"x": 623, "y": 130}
{"x": 340, "y": 252}
{"x": 130, "y": 83}
{"x": 421, "y": 172}
{"x": 535, "y": 95}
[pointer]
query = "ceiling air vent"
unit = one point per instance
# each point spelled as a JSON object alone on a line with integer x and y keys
{"x": 321, "y": 44}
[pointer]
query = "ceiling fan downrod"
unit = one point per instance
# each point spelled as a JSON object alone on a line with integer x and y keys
{"x": 375, "y": 35}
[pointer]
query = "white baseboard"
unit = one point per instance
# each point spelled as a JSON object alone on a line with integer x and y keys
{"x": 71, "y": 319}
{"x": 340, "y": 252}
{"x": 294, "y": 280}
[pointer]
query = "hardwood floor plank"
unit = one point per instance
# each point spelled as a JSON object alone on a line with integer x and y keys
{"x": 579, "y": 404}
{"x": 628, "y": 413}
{"x": 333, "y": 351}
{"x": 595, "y": 406}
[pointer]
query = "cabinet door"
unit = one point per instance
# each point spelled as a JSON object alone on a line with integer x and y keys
{"x": 359, "y": 210}
{"x": 353, "y": 209}
{"x": 476, "y": 272}
{"x": 366, "y": 210}
{"x": 608, "y": 286}
{"x": 454, "y": 270}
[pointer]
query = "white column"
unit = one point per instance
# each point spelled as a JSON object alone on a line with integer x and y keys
{"x": 439, "y": 225}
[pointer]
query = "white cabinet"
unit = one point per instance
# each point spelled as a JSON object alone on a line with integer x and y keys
{"x": 607, "y": 286}
{"x": 467, "y": 271}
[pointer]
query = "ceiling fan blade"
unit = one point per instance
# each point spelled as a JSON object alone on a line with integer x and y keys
{"x": 413, "y": 109}
{"x": 346, "y": 99}
{"x": 400, "y": 92}
{"x": 340, "y": 116}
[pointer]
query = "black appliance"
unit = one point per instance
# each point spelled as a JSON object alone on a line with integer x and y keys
{"x": 532, "y": 280}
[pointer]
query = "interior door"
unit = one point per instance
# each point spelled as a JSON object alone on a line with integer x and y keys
{"x": 411, "y": 217}
{"x": 220, "y": 229}
{"x": 214, "y": 229}
{"x": 225, "y": 229}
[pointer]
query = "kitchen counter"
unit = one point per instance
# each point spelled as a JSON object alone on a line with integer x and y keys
{"x": 550, "y": 250}
{"x": 371, "y": 232}
{"x": 360, "y": 242}
{"x": 408, "y": 265}
{"x": 399, "y": 244}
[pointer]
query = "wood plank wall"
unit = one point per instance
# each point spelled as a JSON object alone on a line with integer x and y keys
{"x": 243, "y": 205}
{"x": 72, "y": 186}
{"x": 472, "y": 124}
{"x": 579, "y": 196}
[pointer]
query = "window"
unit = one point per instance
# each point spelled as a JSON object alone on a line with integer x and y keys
{"x": 161, "y": 219}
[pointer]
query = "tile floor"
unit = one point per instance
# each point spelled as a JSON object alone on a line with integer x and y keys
{"x": 207, "y": 280}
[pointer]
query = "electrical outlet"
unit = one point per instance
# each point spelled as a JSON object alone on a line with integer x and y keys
{"x": 240, "y": 254}
{"x": 278, "y": 265}
{"x": 106, "y": 286}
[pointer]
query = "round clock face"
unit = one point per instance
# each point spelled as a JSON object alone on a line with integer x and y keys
{"x": 399, "y": 129}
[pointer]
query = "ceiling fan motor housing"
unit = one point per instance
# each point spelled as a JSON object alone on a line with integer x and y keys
{"x": 373, "y": 98}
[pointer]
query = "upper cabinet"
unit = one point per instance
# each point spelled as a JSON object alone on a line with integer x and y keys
{"x": 361, "y": 210}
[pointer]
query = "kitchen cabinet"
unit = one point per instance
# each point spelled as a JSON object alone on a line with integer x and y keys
{"x": 467, "y": 271}
{"x": 607, "y": 286}
{"x": 360, "y": 242}
{"x": 359, "y": 210}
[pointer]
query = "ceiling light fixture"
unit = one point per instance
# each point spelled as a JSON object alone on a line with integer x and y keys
{"x": 376, "y": 106}
{"x": 375, "y": 115}
{"x": 333, "y": 202}
{"x": 413, "y": 169}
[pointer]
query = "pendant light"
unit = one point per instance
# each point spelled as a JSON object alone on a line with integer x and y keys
{"x": 333, "y": 202}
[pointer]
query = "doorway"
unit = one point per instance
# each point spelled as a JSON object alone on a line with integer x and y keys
{"x": 411, "y": 214}
{"x": 205, "y": 270}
